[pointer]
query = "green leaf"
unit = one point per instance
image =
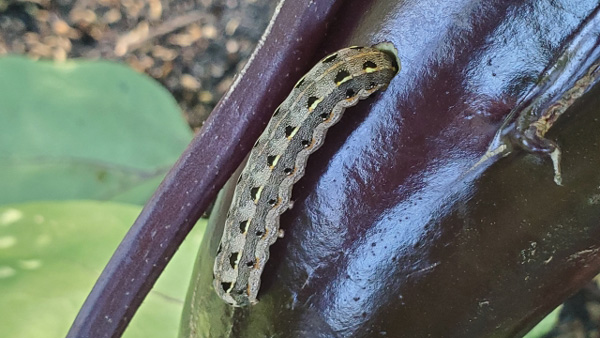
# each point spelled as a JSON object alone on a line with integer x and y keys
{"x": 546, "y": 325}
{"x": 51, "y": 254}
{"x": 84, "y": 130}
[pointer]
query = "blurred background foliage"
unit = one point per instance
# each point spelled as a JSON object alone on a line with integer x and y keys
{"x": 82, "y": 147}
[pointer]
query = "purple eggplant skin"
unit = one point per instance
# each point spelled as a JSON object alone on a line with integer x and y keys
{"x": 204, "y": 167}
{"x": 391, "y": 234}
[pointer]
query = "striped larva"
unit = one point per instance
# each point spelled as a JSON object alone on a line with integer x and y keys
{"x": 279, "y": 157}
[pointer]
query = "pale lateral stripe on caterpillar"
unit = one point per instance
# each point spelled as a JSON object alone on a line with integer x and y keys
{"x": 278, "y": 159}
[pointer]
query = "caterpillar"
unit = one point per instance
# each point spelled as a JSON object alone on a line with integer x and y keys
{"x": 279, "y": 157}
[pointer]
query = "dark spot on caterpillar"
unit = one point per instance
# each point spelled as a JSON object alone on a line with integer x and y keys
{"x": 254, "y": 192}
{"x": 305, "y": 143}
{"x": 356, "y": 47}
{"x": 288, "y": 171}
{"x": 243, "y": 226}
{"x": 226, "y": 286}
{"x": 310, "y": 102}
{"x": 239, "y": 179}
{"x": 277, "y": 111}
{"x": 232, "y": 258}
{"x": 369, "y": 65}
{"x": 271, "y": 159}
{"x": 341, "y": 77}
{"x": 371, "y": 85}
{"x": 395, "y": 63}
{"x": 220, "y": 248}
{"x": 289, "y": 130}
{"x": 350, "y": 93}
{"x": 325, "y": 116}
{"x": 250, "y": 264}
{"x": 272, "y": 202}
{"x": 330, "y": 58}
{"x": 259, "y": 233}
{"x": 300, "y": 83}
{"x": 255, "y": 145}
